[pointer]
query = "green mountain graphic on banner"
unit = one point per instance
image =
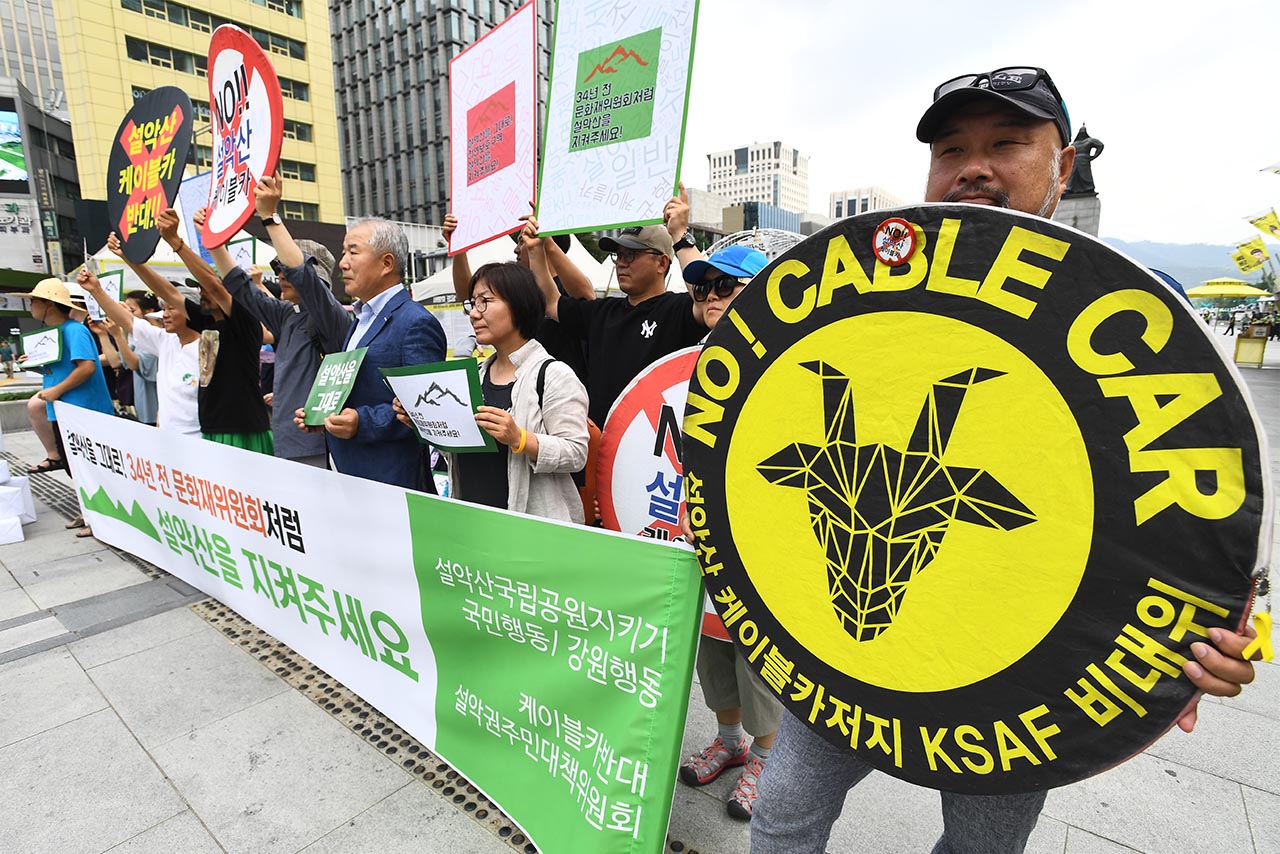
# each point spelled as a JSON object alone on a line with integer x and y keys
{"x": 613, "y": 101}
{"x": 135, "y": 518}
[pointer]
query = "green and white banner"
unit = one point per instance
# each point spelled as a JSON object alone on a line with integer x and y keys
{"x": 332, "y": 385}
{"x": 549, "y": 663}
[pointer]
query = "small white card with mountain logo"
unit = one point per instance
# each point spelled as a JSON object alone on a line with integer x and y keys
{"x": 441, "y": 400}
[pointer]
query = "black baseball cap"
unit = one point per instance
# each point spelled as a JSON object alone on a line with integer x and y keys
{"x": 1025, "y": 88}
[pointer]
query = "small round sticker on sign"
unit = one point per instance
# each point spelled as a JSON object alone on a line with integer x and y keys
{"x": 894, "y": 241}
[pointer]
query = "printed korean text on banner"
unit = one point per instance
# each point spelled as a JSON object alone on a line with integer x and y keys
{"x": 615, "y": 114}
{"x": 883, "y": 463}
{"x": 441, "y": 400}
{"x": 494, "y": 639}
{"x": 144, "y": 168}
{"x": 332, "y": 386}
{"x": 1268, "y": 223}
{"x": 41, "y": 347}
{"x": 247, "y": 114}
{"x": 493, "y": 113}
{"x": 113, "y": 283}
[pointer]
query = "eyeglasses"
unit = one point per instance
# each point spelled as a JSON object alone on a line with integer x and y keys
{"x": 723, "y": 286}
{"x": 479, "y": 304}
{"x": 1011, "y": 79}
{"x": 629, "y": 255}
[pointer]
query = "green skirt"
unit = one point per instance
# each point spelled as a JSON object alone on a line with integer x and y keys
{"x": 258, "y": 442}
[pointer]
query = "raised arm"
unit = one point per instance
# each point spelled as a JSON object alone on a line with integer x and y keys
{"x": 156, "y": 283}
{"x": 108, "y": 356}
{"x": 209, "y": 281}
{"x": 114, "y": 310}
{"x": 676, "y": 217}
{"x": 461, "y": 266}
{"x": 221, "y": 257}
{"x": 121, "y": 340}
{"x": 541, "y": 270}
{"x": 575, "y": 282}
{"x": 266, "y": 200}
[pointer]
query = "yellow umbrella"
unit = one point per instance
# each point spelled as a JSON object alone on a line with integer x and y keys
{"x": 1227, "y": 287}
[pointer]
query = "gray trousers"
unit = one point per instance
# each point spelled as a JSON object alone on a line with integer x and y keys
{"x": 803, "y": 788}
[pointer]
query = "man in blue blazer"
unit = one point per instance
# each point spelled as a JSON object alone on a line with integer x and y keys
{"x": 365, "y": 439}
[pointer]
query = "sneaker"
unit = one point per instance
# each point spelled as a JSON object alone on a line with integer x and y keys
{"x": 700, "y": 769}
{"x": 742, "y": 799}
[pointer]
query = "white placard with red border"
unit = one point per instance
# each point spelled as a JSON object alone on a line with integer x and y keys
{"x": 493, "y": 115}
{"x": 247, "y": 114}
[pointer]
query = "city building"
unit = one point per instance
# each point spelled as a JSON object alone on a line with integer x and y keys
{"x": 852, "y": 202}
{"x": 751, "y": 215}
{"x": 768, "y": 172}
{"x": 38, "y": 188}
{"x": 114, "y": 51}
{"x": 812, "y": 223}
{"x": 391, "y": 72}
{"x": 29, "y": 53}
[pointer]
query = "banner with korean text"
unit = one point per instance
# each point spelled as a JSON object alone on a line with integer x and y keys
{"x": 504, "y": 643}
{"x": 493, "y": 100}
{"x": 616, "y": 113}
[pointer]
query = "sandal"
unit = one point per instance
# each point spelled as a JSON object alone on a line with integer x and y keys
{"x": 77, "y": 522}
{"x": 49, "y": 464}
{"x": 86, "y": 531}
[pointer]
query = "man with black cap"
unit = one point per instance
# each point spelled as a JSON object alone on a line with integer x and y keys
{"x": 998, "y": 138}
{"x": 307, "y": 321}
{"x": 625, "y": 336}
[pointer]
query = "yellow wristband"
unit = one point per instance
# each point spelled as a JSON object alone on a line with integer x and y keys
{"x": 524, "y": 437}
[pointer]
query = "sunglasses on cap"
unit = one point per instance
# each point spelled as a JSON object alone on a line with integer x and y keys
{"x": 724, "y": 287}
{"x": 1014, "y": 78}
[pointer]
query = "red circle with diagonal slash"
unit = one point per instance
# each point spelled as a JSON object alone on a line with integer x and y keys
{"x": 247, "y": 114}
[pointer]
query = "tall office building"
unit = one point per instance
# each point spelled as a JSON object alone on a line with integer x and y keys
{"x": 769, "y": 172}
{"x": 851, "y": 202}
{"x": 38, "y": 187}
{"x": 29, "y": 53}
{"x": 391, "y": 71}
{"x": 114, "y": 51}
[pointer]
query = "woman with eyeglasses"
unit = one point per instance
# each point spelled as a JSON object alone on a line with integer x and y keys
{"x": 742, "y": 704}
{"x": 535, "y": 407}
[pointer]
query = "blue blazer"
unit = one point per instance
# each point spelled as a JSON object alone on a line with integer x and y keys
{"x": 403, "y": 334}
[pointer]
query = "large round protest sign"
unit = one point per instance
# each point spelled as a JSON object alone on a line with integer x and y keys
{"x": 967, "y": 513}
{"x": 248, "y": 128}
{"x": 144, "y": 168}
{"x": 640, "y": 476}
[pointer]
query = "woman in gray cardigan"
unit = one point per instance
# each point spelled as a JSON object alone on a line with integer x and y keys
{"x": 535, "y": 407}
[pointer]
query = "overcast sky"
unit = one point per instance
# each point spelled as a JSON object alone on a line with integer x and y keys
{"x": 1183, "y": 95}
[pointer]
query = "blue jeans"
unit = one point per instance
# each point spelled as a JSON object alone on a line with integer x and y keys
{"x": 803, "y": 788}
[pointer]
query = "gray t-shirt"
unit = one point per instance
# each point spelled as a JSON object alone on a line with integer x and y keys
{"x": 301, "y": 332}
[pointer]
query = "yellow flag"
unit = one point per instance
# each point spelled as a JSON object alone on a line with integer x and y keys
{"x": 1255, "y": 250}
{"x": 1246, "y": 263}
{"x": 1268, "y": 223}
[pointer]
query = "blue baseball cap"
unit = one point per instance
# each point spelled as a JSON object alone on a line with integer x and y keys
{"x": 739, "y": 261}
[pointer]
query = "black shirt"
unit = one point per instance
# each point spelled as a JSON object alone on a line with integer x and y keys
{"x": 567, "y": 348}
{"x": 624, "y": 339}
{"x": 482, "y": 477}
{"x": 229, "y": 399}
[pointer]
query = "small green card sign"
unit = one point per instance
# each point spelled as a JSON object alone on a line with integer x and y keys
{"x": 441, "y": 400}
{"x": 333, "y": 384}
{"x": 42, "y": 347}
